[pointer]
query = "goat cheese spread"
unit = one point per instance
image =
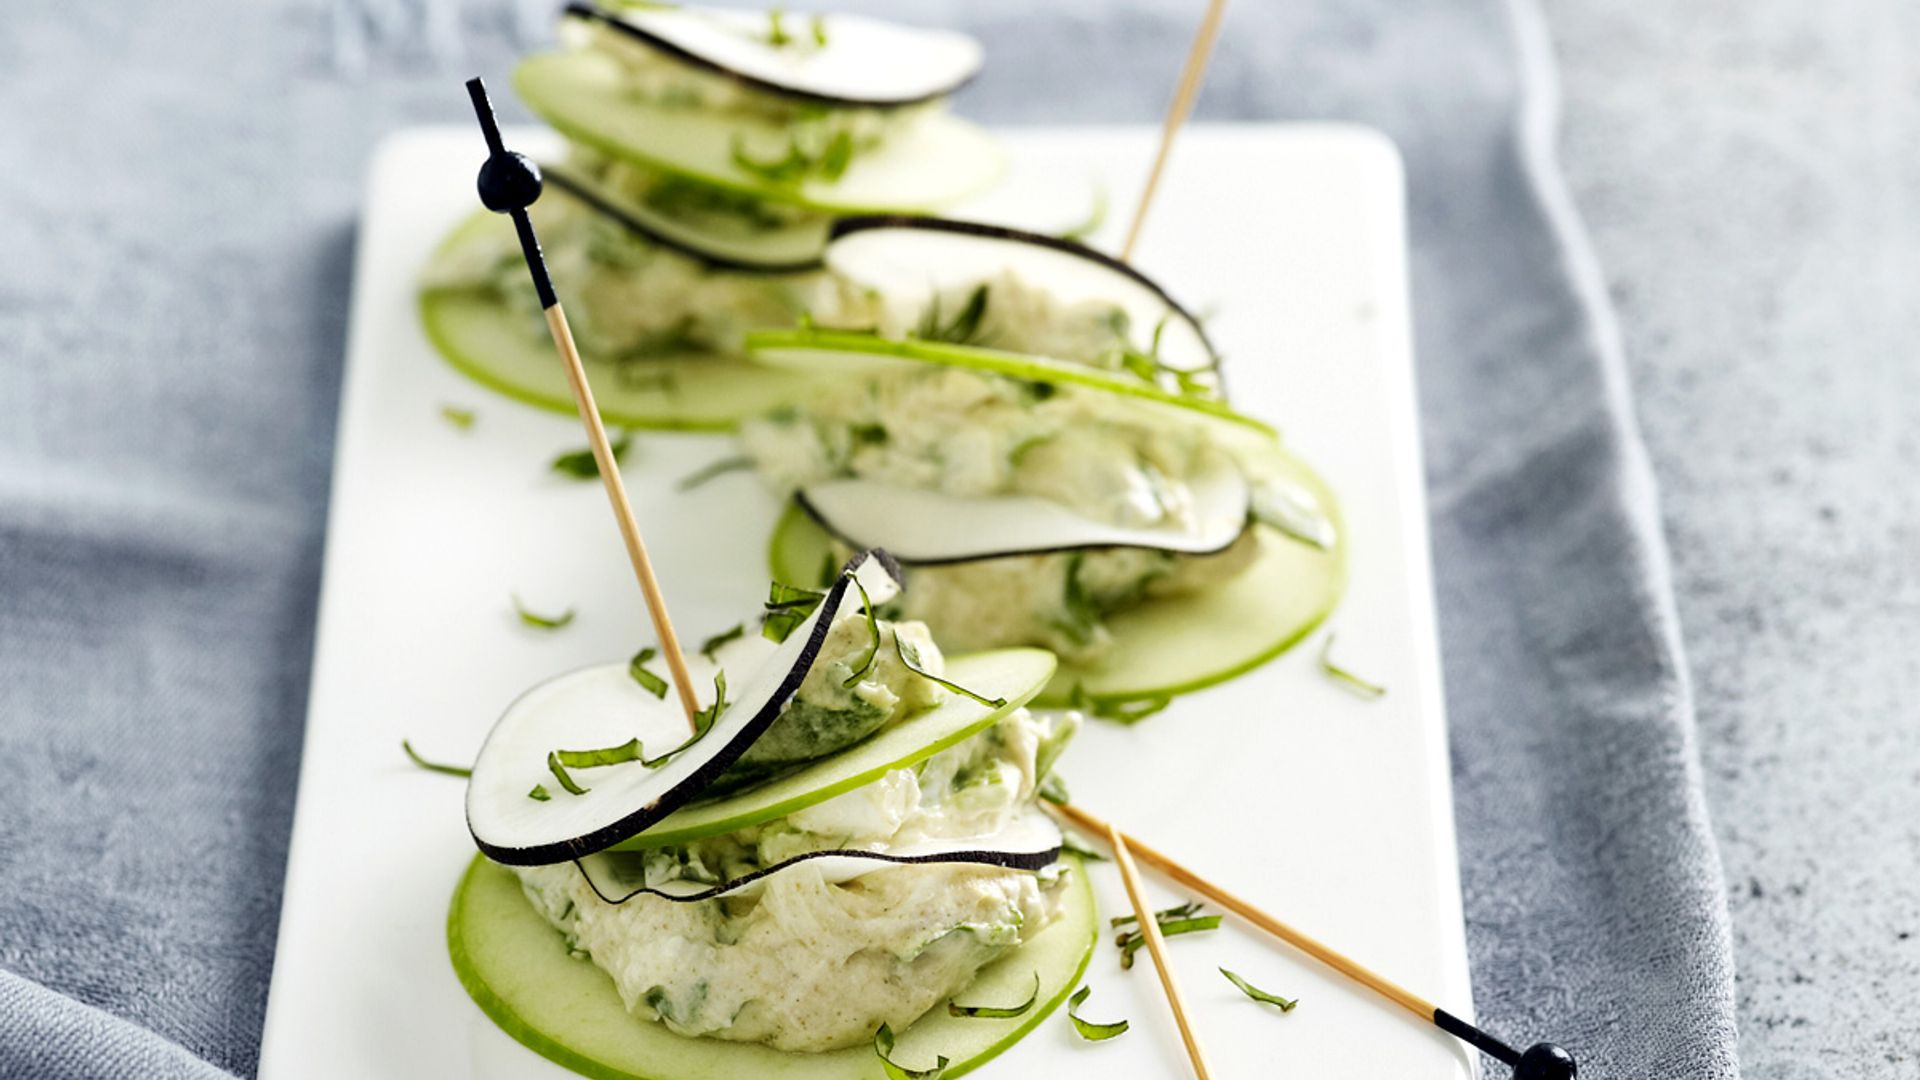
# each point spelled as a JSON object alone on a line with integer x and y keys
{"x": 802, "y": 963}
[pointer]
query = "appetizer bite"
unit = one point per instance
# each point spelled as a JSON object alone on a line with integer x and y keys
{"x": 707, "y": 152}
{"x": 1039, "y": 434}
{"x": 849, "y": 841}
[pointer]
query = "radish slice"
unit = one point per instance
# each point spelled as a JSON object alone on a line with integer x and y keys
{"x": 603, "y": 707}
{"x": 930, "y": 527}
{"x": 849, "y": 60}
{"x": 789, "y": 249}
{"x": 1031, "y": 841}
{"x": 915, "y": 258}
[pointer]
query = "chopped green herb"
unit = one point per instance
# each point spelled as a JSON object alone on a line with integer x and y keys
{"x": 869, "y": 434}
{"x": 708, "y": 472}
{"x": 1284, "y": 1004}
{"x": 1089, "y": 1030}
{"x": 1134, "y": 941}
{"x": 963, "y": 328}
{"x": 787, "y": 607}
{"x": 1122, "y": 712}
{"x": 559, "y": 772}
{"x": 1163, "y": 916}
{"x": 1053, "y": 789}
{"x": 838, "y": 155}
{"x": 433, "y": 766}
{"x": 1372, "y": 691}
{"x": 539, "y": 621}
{"x": 580, "y": 464}
{"x": 1071, "y": 844}
{"x": 712, "y": 644}
{"x": 913, "y": 664}
{"x": 539, "y": 793}
{"x": 458, "y": 417}
{"x": 883, "y": 1049}
{"x": 873, "y": 637}
{"x": 997, "y": 1012}
{"x": 817, "y": 26}
{"x": 777, "y": 35}
{"x": 1095, "y": 218}
{"x": 637, "y": 667}
{"x": 703, "y": 720}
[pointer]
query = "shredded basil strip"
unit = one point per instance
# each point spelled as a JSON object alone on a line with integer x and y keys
{"x": 1285, "y": 1005}
{"x": 787, "y": 607}
{"x": 458, "y": 417}
{"x": 913, "y": 665}
{"x": 873, "y": 637}
{"x": 1089, "y": 1030}
{"x": 1122, "y": 712}
{"x": 539, "y": 793}
{"x": 712, "y": 644}
{"x": 433, "y": 766}
{"x": 964, "y": 328}
{"x": 580, "y": 465}
{"x": 1372, "y": 691}
{"x": 537, "y": 620}
{"x": 997, "y": 1012}
{"x": 777, "y": 35}
{"x": 1071, "y": 844}
{"x": 703, "y": 720}
{"x": 637, "y": 667}
{"x": 1191, "y": 907}
{"x": 1133, "y": 942}
{"x": 1095, "y": 218}
{"x": 883, "y": 1049}
{"x": 559, "y": 772}
{"x": 707, "y": 472}
{"x": 1053, "y": 789}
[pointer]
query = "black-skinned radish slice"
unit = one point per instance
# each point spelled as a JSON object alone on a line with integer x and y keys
{"x": 790, "y": 249}
{"x": 604, "y": 706}
{"x": 1030, "y": 842}
{"x": 518, "y": 970}
{"x": 932, "y": 161}
{"x": 847, "y": 61}
{"x": 921, "y": 527}
{"x": 1009, "y": 676}
{"x": 916, "y": 258}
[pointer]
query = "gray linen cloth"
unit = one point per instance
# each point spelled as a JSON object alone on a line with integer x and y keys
{"x": 179, "y": 195}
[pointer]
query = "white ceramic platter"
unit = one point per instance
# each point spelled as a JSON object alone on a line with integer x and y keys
{"x": 1332, "y": 812}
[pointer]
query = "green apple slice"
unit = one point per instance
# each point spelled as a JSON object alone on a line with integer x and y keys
{"x": 843, "y": 353}
{"x": 1173, "y": 645}
{"x": 517, "y": 969}
{"x": 934, "y": 160}
{"x": 1013, "y": 675}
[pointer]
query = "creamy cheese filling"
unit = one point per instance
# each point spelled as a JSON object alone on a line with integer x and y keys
{"x": 804, "y": 964}
{"x": 657, "y": 79}
{"x": 630, "y": 302}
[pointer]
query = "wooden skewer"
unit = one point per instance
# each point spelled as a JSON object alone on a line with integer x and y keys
{"x": 1542, "y": 1061}
{"x": 1156, "y": 945}
{"x": 509, "y": 183}
{"x": 1191, "y": 76}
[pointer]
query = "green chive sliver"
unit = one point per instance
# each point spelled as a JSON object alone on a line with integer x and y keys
{"x": 1283, "y": 1004}
{"x": 883, "y": 1049}
{"x": 997, "y": 1012}
{"x": 1088, "y": 1029}
{"x": 1372, "y": 691}
{"x": 433, "y": 766}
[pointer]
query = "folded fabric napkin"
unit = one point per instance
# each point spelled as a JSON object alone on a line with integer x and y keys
{"x": 172, "y": 309}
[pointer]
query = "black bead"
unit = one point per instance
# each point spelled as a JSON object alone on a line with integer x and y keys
{"x": 509, "y": 182}
{"x": 1545, "y": 1061}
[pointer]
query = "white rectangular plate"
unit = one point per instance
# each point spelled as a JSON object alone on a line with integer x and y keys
{"x": 1331, "y": 812}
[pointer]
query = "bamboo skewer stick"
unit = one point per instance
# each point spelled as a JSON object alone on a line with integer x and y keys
{"x": 1188, "y": 89}
{"x": 509, "y": 183}
{"x": 1156, "y": 945}
{"x": 1542, "y": 1061}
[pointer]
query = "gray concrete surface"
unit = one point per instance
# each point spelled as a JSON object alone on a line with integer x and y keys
{"x": 1748, "y": 172}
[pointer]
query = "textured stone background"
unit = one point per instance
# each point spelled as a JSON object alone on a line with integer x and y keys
{"x": 1747, "y": 171}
